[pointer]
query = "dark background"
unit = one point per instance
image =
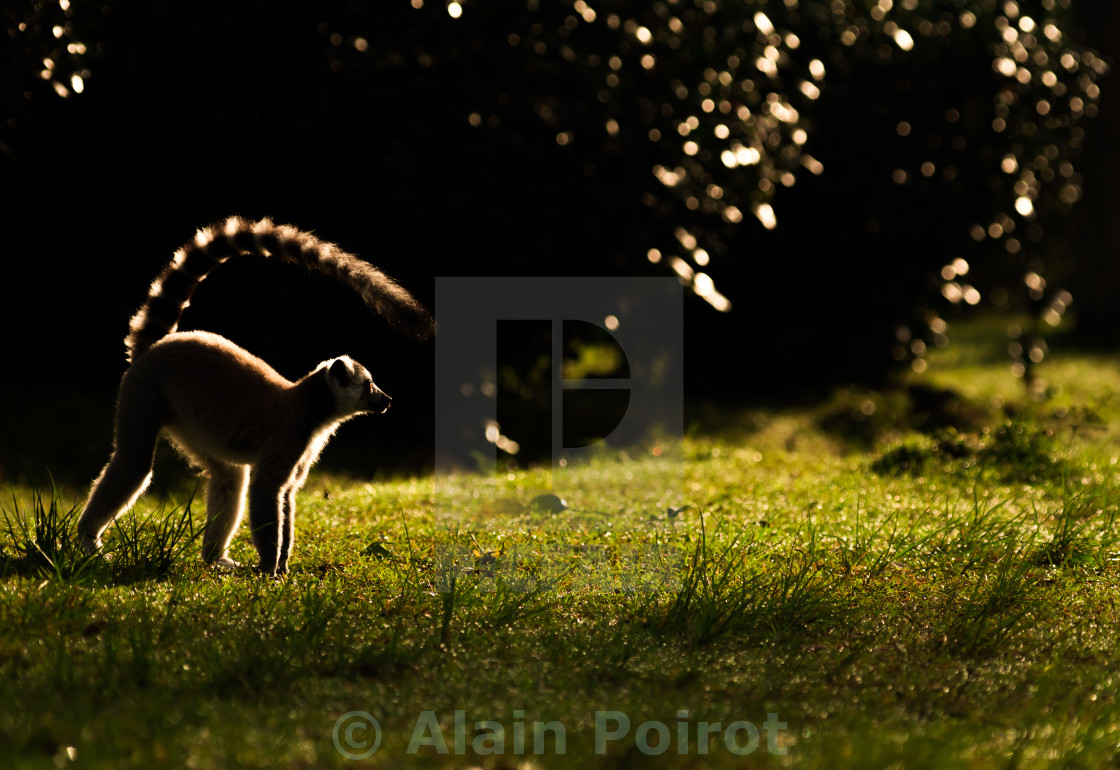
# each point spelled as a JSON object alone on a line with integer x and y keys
{"x": 194, "y": 111}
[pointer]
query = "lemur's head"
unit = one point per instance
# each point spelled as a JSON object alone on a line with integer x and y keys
{"x": 353, "y": 388}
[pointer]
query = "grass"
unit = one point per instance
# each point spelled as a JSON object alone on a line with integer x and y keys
{"x": 934, "y": 599}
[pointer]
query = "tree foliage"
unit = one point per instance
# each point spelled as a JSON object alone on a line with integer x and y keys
{"x": 902, "y": 158}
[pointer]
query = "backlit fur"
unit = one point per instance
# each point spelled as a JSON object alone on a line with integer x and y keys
{"x": 254, "y": 433}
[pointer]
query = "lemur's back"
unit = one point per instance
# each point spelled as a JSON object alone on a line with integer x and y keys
{"x": 220, "y": 400}
{"x": 184, "y": 360}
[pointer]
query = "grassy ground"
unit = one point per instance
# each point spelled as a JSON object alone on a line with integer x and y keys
{"x": 914, "y": 576}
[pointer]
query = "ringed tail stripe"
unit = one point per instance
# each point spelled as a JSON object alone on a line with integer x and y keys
{"x": 177, "y": 283}
{"x": 171, "y": 292}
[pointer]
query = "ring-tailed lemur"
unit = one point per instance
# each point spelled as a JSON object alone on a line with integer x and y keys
{"x": 225, "y": 409}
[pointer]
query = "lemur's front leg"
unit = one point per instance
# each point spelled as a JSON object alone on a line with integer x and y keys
{"x": 269, "y": 487}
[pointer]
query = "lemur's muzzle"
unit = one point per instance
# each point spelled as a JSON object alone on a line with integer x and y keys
{"x": 380, "y": 401}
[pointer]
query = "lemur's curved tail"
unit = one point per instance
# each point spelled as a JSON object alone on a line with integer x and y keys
{"x": 171, "y": 291}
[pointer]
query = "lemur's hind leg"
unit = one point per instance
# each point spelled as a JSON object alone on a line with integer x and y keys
{"x": 225, "y": 504}
{"x": 127, "y": 474}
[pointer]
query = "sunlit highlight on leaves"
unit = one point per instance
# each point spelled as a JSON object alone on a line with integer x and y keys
{"x": 713, "y": 108}
{"x": 724, "y": 95}
{"x": 43, "y": 33}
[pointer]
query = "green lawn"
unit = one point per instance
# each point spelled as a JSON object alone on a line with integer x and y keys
{"x": 826, "y": 587}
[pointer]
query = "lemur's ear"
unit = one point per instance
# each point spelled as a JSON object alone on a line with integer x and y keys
{"x": 339, "y": 371}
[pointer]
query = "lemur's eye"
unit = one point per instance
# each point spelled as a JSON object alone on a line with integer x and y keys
{"x": 371, "y": 386}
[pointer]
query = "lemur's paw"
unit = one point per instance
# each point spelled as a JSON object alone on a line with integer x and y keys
{"x": 89, "y": 543}
{"x": 225, "y": 563}
{"x": 274, "y": 572}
